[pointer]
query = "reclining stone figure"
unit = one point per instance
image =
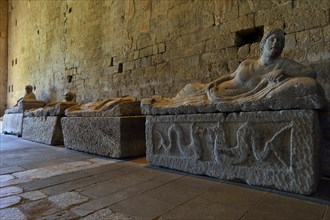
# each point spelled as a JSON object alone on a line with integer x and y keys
{"x": 225, "y": 128}
{"x": 55, "y": 108}
{"x": 113, "y": 127}
{"x": 271, "y": 82}
{"x": 27, "y": 102}
{"x": 126, "y": 105}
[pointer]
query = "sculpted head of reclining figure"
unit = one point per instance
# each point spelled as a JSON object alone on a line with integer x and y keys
{"x": 29, "y": 94}
{"x": 29, "y": 101}
{"x": 270, "y": 82}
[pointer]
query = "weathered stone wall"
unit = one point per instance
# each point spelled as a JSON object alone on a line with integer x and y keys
{"x": 103, "y": 48}
{"x": 3, "y": 55}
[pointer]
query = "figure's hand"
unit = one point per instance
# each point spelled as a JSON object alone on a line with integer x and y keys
{"x": 275, "y": 76}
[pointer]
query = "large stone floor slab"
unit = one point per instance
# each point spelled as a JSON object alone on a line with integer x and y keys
{"x": 12, "y": 124}
{"x": 278, "y": 149}
{"x": 116, "y": 137}
{"x": 44, "y": 129}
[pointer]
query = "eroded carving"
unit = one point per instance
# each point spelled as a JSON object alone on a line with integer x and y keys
{"x": 126, "y": 105}
{"x": 271, "y": 82}
{"x": 187, "y": 142}
{"x": 54, "y": 108}
{"x": 199, "y": 143}
{"x": 266, "y": 148}
{"x": 249, "y": 142}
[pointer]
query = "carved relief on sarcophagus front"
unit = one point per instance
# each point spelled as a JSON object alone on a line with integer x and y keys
{"x": 260, "y": 148}
{"x": 251, "y": 144}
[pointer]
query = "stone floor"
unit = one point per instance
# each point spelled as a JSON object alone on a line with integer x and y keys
{"x": 44, "y": 182}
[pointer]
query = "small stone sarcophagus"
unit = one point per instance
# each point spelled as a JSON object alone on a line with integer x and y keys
{"x": 257, "y": 125}
{"x": 13, "y": 117}
{"x": 112, "y": 128}
{"x": 12, "y": 123}
{"x": 43, "y": 125}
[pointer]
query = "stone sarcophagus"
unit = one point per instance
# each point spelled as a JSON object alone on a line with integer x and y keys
{"x": 273, "y": 149}
{"x": 43, "y": 125}
{"x": 12, "y": 123}
{"x": 13, "y": 117}
{"x": 258, "y": 125}
{"x": 116, "y": 137}
{"x": 325, "y": 142}
{"x": 112, "y": 128}
{"x": 43, "y": 129}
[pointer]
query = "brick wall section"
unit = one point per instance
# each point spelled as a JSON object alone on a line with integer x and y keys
{"x": 3, "y": 55}
{"x": 110, "y": 48}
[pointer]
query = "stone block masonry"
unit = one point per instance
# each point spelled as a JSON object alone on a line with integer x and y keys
{"x": 168, "y": 44}
{"x": 116, "y": 137}
{"x": 277, "y": 149}
{"x": 45, "y": 129}
{"x": 325, "y": 143}
{"x": 13, "y": 124}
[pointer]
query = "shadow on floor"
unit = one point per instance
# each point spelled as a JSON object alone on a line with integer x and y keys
{"x": 321, "y": 196}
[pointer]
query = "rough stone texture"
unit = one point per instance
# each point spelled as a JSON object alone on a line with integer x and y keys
{"x": 12, "y": 213}
{"x": 10, "y": 190}
{"x": 3, "y": 55}
{"x": 44, "y": 209}
{"x": 126, "y": 188}
{"x": 9, "y": 201}
{"x": 67, "y": 199}
{"x": 33, "y": 195}
{"x": 167, "y": 106}
{"x": 57, "y": 109}
{"x": 25, "y": 105}
{"x": 273, "y": 149}
{"x": 325, "y": 142}
{"x": 59, "y": 169}
{"x": 116, "y": 137}
{"x": 271, "y": 82}
{"x": 120, "y": 109}
{"x": 13, "y": 124}
{"x": 4, "y": 178}
{"x": 28, "y": 104}
{"x": 161, "y": 45}
{"x": 46, "y": 129}
{"x": 105, "y": 214}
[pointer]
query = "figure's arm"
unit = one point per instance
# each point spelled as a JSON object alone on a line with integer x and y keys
{"x": 290, "y": 68}
{"x": 218, "y": 81}
{"x": 303, "y": 72}
{"x": 18, "y": 102}
{"x": 242, "y": 67}
{"x": 294, "y": 69}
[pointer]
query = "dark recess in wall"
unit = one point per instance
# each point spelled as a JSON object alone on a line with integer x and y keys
{"x": 249, "y": 36}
